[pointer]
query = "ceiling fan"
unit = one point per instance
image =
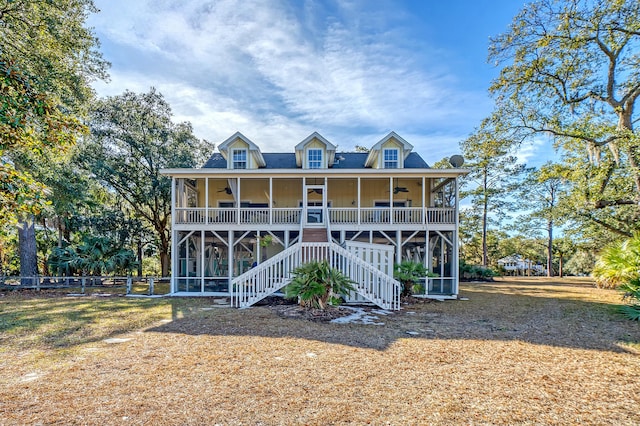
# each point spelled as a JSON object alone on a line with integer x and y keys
{"x": 227, "y": 190}
{"x": 397, "y": 189}
{"x": 316, "y": 190}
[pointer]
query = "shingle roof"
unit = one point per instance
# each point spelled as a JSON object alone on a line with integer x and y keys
{"x": 344, "y": 160}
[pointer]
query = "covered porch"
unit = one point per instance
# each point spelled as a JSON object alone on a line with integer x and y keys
{"x": 340, "y": 201}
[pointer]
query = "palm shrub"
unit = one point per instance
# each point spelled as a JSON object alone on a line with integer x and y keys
{"x": 317, "y": 285}
{"x": 619, "y": 263}
{"x": 409, "y": 274}
{"x": 62, "y": 260}
{"x": 631, "y": 291}
{"x": 94, "y": 256}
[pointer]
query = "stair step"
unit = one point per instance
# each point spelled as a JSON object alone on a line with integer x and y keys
{"x": 314, "y": 235}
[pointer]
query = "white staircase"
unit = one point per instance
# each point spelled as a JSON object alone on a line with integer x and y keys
{"x": 276, "y": 272}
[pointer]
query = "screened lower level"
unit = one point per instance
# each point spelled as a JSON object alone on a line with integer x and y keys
{"x": 205, "y": 261}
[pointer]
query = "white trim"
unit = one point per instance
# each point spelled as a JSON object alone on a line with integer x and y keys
{"x": 384, "y": 160}
{"x": 233, "y": 161}
{"x": 174, "y": 234}
{"x": 317, "y": 173}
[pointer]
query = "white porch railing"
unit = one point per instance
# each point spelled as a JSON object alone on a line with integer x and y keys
{"x": 440, "y": 215}
{"x": 283, "y": 216}
{"x": 273, "y": 274}
{"x": 341, "y": 215}
{"x": 336, "y": 215}
{"x": 190, "y": 215}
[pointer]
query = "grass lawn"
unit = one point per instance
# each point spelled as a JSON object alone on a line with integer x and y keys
{"x": 526, "y": 351}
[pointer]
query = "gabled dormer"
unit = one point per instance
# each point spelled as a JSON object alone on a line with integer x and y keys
{"x": 315, "y": 152}
{"x": 241, "y": 153}
{"x": 389, "y": 153}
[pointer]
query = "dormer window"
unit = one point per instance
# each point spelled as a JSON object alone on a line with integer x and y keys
{"x": 314, "y": 158}
{"x": 239, "y": 158}
{"x": 390, "y": 158}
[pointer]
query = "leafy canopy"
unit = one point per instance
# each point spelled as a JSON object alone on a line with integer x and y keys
{"x": 571, "y": 69}
{"x": 47, "y": 60}
{"x": 132, "y": 138}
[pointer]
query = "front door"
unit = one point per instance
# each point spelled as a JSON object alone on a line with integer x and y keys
{"x": 315, "y": 200}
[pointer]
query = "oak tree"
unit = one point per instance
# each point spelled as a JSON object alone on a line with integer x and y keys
{"x": 132, "y": 138}
{"x": 571, "y": 69}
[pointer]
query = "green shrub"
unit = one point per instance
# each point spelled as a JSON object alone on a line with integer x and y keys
{"x": 409, "y": 274}
{"x": 631, "y": 291}
{"x": 619, "y": 263}
{"x": 476, "y": 272}
{"x": 317, "y": 285}
{"x": 94, "y": 256}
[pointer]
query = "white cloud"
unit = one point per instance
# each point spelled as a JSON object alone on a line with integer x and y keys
{"x": 277, "y": 73}
{"x": 536, "y": 152}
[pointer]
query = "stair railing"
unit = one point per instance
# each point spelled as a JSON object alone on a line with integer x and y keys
{"x": 276, "y": 272}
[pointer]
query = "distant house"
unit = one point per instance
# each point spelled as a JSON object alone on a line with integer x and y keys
{"x": 246, "y": 219}
{"x": 519, "y": 266}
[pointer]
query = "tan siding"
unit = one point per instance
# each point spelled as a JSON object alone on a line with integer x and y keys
{"x": 287, "y": 192}
{"x": 342, "y": 192}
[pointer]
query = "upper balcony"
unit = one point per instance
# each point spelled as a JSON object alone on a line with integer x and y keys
{"x": 336, "y": 215}
{"x": 340, "y": 202}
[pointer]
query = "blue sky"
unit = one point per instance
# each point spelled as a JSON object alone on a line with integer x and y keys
{"x": 277, "y": 70}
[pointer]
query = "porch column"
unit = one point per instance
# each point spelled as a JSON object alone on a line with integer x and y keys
{"x": 238, "y": 200}
{"x": 173, "y": 235}
{"x": 257, "y": 255}
{"x": 424, "y": 202}
{"x": 230, "y": 260}
{"x": 270, "y": 200}
{"x": 398, "y": 246}
{"x": 359, "y": 212}
{"x": 206, "y": 200}
{"x": 391, "y": 200}
{"x": 456, "y": 256}
{"x": 202, "y": 268}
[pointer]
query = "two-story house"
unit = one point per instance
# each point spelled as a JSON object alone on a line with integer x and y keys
{"x": 247, "y": 218}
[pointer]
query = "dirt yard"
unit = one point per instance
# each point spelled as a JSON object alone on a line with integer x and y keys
{"x": 528, "y": 351}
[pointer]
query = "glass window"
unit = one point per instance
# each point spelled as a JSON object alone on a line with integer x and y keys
{"x": 390, "y": 158}
{"x": 239, "y": 158}
{"x": 315, "y": 158}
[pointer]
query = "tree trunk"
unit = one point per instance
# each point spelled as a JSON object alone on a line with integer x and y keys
{"x": 164, "y": 254}
{"x": 550, "y": 249}
{"x": 560, "y": 261}
{"x": 485, "y": 213}
{"x": 28, "y": 251}
{"x": 164, "y": 262}
{"x": 625, "y": 123}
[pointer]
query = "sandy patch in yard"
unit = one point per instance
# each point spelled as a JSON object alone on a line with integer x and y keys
{"x": 517, "y": 352}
